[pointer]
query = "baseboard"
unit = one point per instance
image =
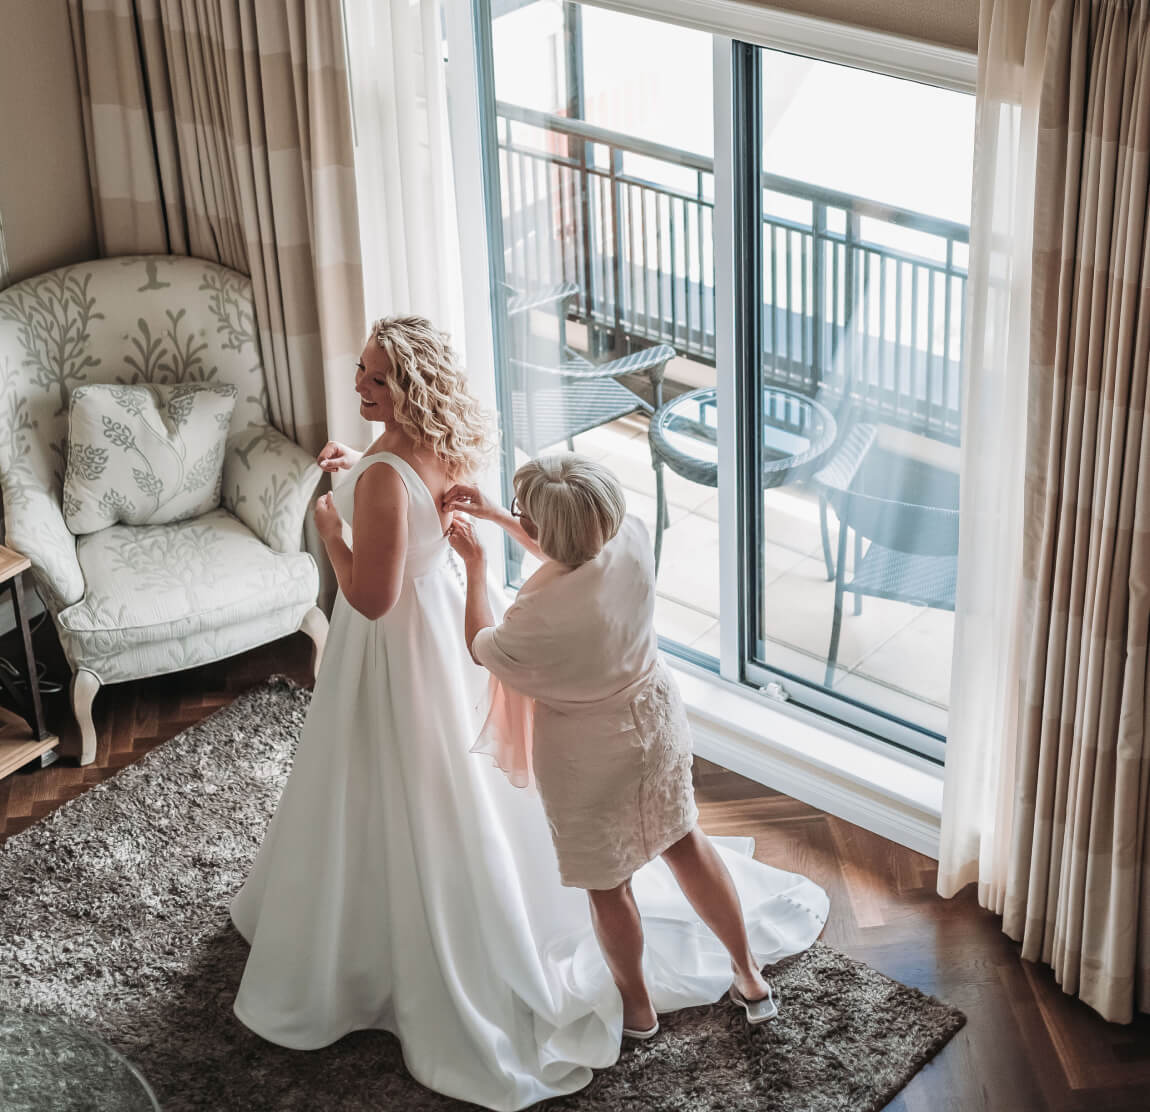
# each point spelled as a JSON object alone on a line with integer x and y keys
{"x": 812, "y": 785}
{"x": 888, "y": 793}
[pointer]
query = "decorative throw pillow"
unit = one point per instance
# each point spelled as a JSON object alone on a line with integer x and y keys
{"x": 145, "y": 455}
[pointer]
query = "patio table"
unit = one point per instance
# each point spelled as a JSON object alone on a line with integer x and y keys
{"x": 797, "y": 433}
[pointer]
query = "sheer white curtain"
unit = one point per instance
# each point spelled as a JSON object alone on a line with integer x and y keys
{"x": 987, "y": 668}
{"x": 403, "y": 165}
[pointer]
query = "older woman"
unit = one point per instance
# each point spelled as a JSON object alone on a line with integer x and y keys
{"x": 610, "y": 743}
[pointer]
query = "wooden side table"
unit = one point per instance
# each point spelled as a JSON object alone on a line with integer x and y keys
{"x": 22, "y": 740}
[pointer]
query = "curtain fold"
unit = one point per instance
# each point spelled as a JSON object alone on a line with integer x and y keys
{"x": 222, "y": 129}
{"x": 1077, "y": 886}
{"x": 986, "y": 669}
{"x": 1062, "y": 851}
{"x": 403, "y": 162}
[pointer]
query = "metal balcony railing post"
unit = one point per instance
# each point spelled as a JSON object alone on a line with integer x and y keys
{"x": 578, "y": 148}
{"x": 851, "y": 238}
{"x": 618, "y": 339}
{"x": 818, "y": 299}
{"x": 588, "y": 283}
{"x": 702, "y": 269}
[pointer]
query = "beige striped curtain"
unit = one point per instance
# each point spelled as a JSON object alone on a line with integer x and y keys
{"x": 222, "y": 129}
{"x": 1048, "y": 768}
{"x": 1078, "y": 887}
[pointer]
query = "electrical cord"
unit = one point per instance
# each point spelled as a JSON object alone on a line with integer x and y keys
{"x": 15, "y": 675}
{"x": 48, "y": 686}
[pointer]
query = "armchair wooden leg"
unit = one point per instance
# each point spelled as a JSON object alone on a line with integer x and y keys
{"x": 314, "y": 624}
{"x": 84, "y": 688}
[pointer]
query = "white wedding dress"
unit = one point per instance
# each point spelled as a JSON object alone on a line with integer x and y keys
{"x": 405, "y": 885}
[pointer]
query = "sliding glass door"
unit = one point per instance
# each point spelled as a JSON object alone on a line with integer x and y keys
{"x": 847, "y": 268}
{"x": 603, "y": 230}
{"x": 859, "y": 225}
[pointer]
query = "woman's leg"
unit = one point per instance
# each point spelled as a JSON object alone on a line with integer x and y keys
{"x": 620, "y": 933}
{"x": 705, "y": 882}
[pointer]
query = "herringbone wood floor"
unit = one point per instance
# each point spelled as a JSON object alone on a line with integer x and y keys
{"x": 1026, "y": 1047}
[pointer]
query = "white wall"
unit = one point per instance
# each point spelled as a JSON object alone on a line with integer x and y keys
{"x": 943, "y": 22}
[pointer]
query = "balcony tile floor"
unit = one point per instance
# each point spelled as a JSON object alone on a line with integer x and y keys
{"x": 892, "y": 656}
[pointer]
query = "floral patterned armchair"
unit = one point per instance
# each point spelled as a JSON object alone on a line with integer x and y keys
{"x": 136, "y": 601}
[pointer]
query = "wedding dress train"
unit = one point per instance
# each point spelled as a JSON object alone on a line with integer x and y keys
{"x": 405, "y": 885}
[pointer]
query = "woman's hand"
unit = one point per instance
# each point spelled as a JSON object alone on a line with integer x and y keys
{"x": 469, "y": 499}
{"x": 461, "y": 536}
{"x": 328, "y": 523}
{"x": 334, "y": 456}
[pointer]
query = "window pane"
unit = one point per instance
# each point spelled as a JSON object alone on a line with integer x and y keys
{"x": 607, "y": 237}
{"x": 865, "y": 203}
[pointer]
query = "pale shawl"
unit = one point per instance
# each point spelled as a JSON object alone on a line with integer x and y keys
{"x": 578, "y": 640}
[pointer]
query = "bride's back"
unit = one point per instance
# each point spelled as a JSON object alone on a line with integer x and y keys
{"x": 429, "y": 470}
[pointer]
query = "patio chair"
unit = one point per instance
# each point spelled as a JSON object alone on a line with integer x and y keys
{"x": 553, "y": 401}
{"x": 856, "y": 439}
{"x": 907, "y": 512}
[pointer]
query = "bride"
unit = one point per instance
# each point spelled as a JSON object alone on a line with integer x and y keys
{"x": 404, "y": 884}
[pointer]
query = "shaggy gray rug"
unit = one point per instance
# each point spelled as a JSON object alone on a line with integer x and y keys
{"x": 114, "y": 916}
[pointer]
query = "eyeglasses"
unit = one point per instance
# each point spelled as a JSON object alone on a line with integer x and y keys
{"x": 516, "y": 509}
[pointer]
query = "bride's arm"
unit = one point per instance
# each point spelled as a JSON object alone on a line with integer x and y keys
{"x": 471, "y": 500}
{"x": 371, "y": 575}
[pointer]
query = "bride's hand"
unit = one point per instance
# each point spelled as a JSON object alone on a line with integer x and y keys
{"x": 461, "y": 536}
{"x": 469, "y": 499}
{"x": 334, "y": 456}
{"x": 328, "y": 523}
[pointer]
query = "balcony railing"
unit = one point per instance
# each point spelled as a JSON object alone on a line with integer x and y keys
{"x": 861, "y": 299}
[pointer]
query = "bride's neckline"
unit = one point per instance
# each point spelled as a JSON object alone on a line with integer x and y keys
{"x": 395, "y": 455}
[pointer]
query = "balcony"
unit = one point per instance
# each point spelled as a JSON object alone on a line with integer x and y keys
{"x": 862, "y": 310}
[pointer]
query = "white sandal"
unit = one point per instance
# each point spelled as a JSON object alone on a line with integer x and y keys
{"x": 758, "y": 1011}
{"x": 650, "y": 1033}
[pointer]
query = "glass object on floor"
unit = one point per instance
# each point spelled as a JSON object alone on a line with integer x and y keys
{"x": 49, "y": 1063}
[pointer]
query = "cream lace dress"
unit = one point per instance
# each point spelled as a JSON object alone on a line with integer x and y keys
{"x": 611, "y": 745}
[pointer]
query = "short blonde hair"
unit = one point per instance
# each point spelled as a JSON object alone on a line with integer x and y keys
{"x": 429, "y": 393}
{"x": 576, "y": 504}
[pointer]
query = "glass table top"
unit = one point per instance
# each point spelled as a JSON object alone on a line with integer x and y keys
{"x": 49, "y": 1063}
{"x": 797, "y": 431}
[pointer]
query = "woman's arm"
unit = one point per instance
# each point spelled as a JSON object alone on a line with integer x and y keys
{"x": 471, "y": 500}
{"x": 371, "y": 575}
{"x": 510, "y": 525}
{"x": 477, "y": 613}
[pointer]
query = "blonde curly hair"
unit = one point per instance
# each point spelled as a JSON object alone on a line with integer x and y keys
{"x": 429, "y": 393}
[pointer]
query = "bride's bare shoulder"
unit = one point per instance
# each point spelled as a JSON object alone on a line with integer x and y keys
{"x": 381, "y": 486}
